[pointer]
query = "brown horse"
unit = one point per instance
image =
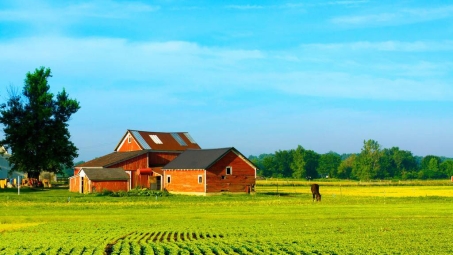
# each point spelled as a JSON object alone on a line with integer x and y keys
{"x": 315, "y": 192}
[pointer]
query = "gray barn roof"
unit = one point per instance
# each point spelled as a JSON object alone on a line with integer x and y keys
{"x": 106, "y": 174}
{"x": 198, "y": 159}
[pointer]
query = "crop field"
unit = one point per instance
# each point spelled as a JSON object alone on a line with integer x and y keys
{"x": 351, "y": 219}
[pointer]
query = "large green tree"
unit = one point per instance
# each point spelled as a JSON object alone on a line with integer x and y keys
{"x": 36, "y": 126}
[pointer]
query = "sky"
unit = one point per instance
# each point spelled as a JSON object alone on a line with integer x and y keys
{"x": 260, "y": 76}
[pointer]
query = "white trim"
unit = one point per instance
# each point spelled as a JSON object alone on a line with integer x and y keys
{"x": 168, "y": 179}
{"x": 122, "y": 143}
{"x": 130, "y": 179}
{"x": 231, "y": 170}
{"x": 126, "y": 138}
{"x": 200, "y": 176}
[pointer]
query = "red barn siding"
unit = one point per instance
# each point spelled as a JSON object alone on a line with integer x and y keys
{"x": 77, "y": 170}
{"x": 242, "y": 177}
{"x": 132, "y": 146}
{"x": 133, "y": 164}
{"x": 74, "y": 184}
{"x": 98, "y": 186}
{"x": 184, "y": 181}
{"x": 161, "y": 158}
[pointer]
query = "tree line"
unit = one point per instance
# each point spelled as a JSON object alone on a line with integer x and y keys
{"x": 372, "y": 162}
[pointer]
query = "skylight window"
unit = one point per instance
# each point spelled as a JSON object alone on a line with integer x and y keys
{"x": 156, "y": 139}
{"x": 178, "y": 139}
{"x": 190, "y": 138}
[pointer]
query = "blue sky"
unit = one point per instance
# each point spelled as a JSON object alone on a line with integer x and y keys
{"x": 260, "y": 76}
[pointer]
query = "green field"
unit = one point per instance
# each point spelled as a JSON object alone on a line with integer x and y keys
{"x": 351, "y": 219}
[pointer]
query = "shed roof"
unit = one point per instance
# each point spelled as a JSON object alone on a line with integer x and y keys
{"x": 112, "y": 158}
{"x": 106, "y": 174}
{"x": 201, "y": 159}
{"x": 170, "y": 141}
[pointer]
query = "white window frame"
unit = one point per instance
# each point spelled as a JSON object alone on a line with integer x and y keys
{"x": 230, "y": 170}
{"x": 156, "y": 139}
{"x": 200, "y": 177}
{"x": 129, "y": 140}
{"x": 168, "y": 178}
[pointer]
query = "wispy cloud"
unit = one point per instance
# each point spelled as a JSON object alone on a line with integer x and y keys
{"x": 401, "y": 16}
{"x": 244, "y": 7}
{"x": 63, "y": 13}
{"x": 187, "y": 67}
{"x": 346, "y": 85}
{"x": 417, "y": 46}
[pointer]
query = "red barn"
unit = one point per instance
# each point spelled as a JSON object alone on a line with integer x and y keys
{"x": 175, "y": 162}
{"x": 209, "y": 171}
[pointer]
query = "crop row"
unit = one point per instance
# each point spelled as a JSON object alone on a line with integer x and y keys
{"x": 211, "y": 247}
{"x": 169, "y": 236}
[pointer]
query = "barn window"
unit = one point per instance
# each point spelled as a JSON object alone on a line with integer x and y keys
{"x": 156, "y": 139}
{"x": 200, "y": 179}
{"x": 229, "y": 170}
{"x": 129, "y": 139}
{"x": 168, "y": 178}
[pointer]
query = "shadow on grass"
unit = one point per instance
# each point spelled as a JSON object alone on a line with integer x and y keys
{"x": 23, "y": 190}
{"x": 281, "y": 194}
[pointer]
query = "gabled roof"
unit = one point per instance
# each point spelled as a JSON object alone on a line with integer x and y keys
{"x": 106, "y": 174}
{"x": 112, "y": 158}
{"x": 170, "y": 141}
{"x": 201, "y": 159}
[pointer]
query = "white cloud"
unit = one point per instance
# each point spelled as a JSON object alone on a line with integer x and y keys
{"x": 184, "y": 67}
{"x": 69, "y": 13}
{"x": 244, "y": 7}
{"x": 345, "y": 85}
{"x": 417, "y": 46}
{"x": 401, "y": 16}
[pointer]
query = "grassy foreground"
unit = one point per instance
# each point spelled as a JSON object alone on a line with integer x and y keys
{"x": 351, "y": 219}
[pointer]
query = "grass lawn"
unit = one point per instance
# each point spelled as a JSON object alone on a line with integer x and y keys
{"x": 351, "y": 219}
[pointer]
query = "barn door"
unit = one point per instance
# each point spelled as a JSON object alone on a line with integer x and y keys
{"x": 81, "y": 185}
{"x": 159, "y": 182}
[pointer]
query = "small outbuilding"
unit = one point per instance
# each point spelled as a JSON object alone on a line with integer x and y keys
{"x": 90, "y": 180}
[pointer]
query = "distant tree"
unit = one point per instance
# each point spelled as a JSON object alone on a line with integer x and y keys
{"x": 311, "y": 159}
{"x": 426, "y": 161}
{"x": 265, "y": 164}
{"x": 283, "y": 161}
{"x": 329, "y": 163}
{"x": 36, "y": 126}
{"x": 345, "y": 168}
{"x": 430, "y": 168}
{"x": 394, "y": 162}
{"x": 367, "y": 162}
{"x": 298, "y": 163}
{"x": 446, "y": 167}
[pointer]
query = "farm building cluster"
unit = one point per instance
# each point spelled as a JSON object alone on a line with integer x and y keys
{"x": 165, "y": 161}
{"x": 7, "y": 179}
